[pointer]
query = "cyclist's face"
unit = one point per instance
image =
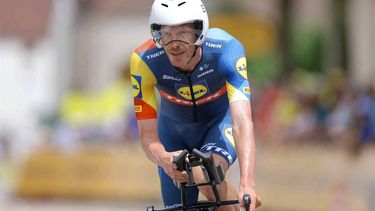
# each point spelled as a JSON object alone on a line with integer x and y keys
{"x": 178, "y": 42}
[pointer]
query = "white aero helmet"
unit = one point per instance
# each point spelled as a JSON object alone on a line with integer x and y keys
{"x": 176, "y": 12}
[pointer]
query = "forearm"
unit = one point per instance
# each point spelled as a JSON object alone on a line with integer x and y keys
{"x": 243, "y": 132}
{"x": 153, "y": 149}
{"x": 244, "y": 138}
{"x": 150, "y": 142}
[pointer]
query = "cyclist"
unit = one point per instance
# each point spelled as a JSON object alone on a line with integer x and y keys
{"x": 201, "y": 76}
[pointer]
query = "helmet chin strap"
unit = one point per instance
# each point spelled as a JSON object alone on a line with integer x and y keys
{"x": 195, "y": 50}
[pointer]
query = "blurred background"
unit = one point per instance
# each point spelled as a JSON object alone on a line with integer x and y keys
{"x": 68, "y": 137}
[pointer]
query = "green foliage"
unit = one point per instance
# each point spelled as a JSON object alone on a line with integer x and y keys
{"x": 264, "y": 69}
{"x": 307, "y": 48}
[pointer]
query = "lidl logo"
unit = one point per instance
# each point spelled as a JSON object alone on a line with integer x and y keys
{"x": 229, "y": 135}
{"x": 241, "y": 67}
{"x": 199, "y": 89}
{"x": 246, "y": 90}
{"x": 185, "y": 92}
{"x": 137, "y": 108}
{"x": 136, "y": 83}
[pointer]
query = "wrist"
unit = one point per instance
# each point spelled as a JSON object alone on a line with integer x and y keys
{"x": 157, "y": 153}
{"x": 247, "y": 183}
{"x": 245, "y": 186}
{"x": 161, "y": 157}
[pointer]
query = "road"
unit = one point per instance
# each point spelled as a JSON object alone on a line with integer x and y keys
{"x": 303, "y": 178}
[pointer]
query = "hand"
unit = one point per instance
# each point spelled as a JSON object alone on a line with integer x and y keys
{"x": 166, "y": 162}
{"x": 255, "y": 200}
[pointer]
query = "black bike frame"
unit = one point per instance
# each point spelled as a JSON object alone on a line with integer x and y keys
{"x": 215, "y": 177}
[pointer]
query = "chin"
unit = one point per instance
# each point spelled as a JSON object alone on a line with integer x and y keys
{"x": 178, "y": 63}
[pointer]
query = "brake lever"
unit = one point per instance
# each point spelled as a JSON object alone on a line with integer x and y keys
{"x": 179, "y": 160}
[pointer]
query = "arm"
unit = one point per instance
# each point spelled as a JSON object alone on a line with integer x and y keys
{"x": 143, "y": 83}
{"x": 149, "y": 140}
{"x": 243, "y": 133}
{"x": 234, "y": 67}
{"x": 244, "y": 139}
{"x": 155, "y": 150}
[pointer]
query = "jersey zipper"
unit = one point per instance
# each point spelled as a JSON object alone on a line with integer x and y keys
{"x": 188, "y": 75}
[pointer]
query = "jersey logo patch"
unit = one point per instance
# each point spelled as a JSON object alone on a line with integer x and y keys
{"x": 241, "y": 67}
{"x": 137, "y": 108}
{"x": 200, "y": 89}
{"x": 229, "y": 135}
{"x": 136, "y": 84}
{"x": 246, "y": 90}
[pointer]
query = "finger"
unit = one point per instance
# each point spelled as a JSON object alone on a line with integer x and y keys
{"x": 258, "y": 202}
{"x": 253, "y": 204}
{"x": 181, "y": 176}
{"x": 180, "y": 173}
{"x": 241, "y": 203}
{"x": 180, "y": 180}
{"x": 252, "y": 207}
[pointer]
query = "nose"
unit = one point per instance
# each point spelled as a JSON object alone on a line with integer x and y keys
{"x": 174, "y": 45}
{"x": 174, "y": 36}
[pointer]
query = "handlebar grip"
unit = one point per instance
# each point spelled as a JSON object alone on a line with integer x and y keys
{"x": 179, "y": 160}
{"x": 247, "y": 201}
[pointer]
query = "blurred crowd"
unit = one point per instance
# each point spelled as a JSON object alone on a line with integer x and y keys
{"x": 305, "y": 107}
{"x": 302, "y": 108}
{"x": 321, "y": 108}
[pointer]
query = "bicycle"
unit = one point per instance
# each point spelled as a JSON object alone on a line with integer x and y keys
{"x": 213, "y": 174}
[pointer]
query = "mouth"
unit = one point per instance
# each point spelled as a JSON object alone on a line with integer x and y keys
{"x": 177, "y": 53}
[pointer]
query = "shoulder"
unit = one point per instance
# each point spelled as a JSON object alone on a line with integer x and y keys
{"x": 148, "y": 51}
{"x": 220, "y": 39}
{"x": 219, "y": 34}
{"x": 146, "y": 46}
{"x": 141, "y": 61}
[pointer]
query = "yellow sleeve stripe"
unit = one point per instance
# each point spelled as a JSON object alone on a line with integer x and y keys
{"x": 235, "y": 94}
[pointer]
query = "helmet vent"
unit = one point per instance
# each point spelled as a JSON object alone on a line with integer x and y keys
{"x": 165, "y": 5}
{"x": 181, "y": 3}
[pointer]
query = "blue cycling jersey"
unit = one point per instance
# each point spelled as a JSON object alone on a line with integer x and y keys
{"x": 194, "y": 106}
{"x": 219, "y": 78}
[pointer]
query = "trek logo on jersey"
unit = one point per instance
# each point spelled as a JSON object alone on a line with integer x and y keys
{"x": 213, "y": 45}
{"x": 241, "y": 67}
{"x": 157, "y": 54}
{"x": 136, "y": 84}
{"x": 200, "y": 89}
{"x": 229, "y": 135}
